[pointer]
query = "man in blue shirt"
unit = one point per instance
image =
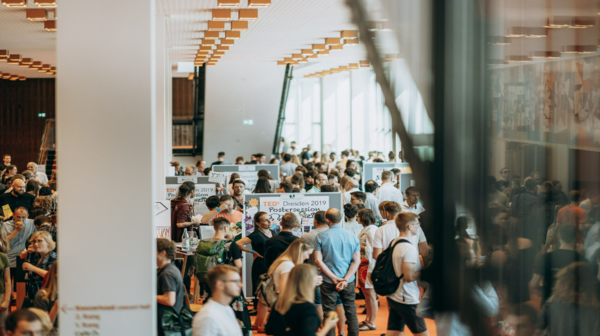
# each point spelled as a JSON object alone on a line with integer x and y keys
{"x": 337, "y": 254}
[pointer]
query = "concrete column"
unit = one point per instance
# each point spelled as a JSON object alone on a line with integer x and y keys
{"x": 105, "y": 136}
{"x": 162, "y": 157}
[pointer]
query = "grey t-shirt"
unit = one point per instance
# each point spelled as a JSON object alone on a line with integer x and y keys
{"x": 311, "y": 237}
{"x": 20, "y": 242}
{"x": 169, "y": 280}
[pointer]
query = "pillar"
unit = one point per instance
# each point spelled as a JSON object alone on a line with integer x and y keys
{"x": 105, "y": 137}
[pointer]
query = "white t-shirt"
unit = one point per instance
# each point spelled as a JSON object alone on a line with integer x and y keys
{"x": 283, "y": 268}
{"x": 416, "y": 209}
{"x": 408, "y": 292}
{"x": 215, "y": 319}
{"x": 353, "y": 227}
{"x": 387, "y": 192}
{"x": 386, "y": 233}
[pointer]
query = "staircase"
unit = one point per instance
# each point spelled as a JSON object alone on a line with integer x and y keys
{"x": 48, "y": 147}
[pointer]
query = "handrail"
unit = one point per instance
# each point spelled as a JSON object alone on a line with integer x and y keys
{"x": 282, "y": 105}
{"x": 46, "y": 137}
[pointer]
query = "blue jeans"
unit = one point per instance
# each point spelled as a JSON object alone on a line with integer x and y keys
{"x": 330, "y": 296}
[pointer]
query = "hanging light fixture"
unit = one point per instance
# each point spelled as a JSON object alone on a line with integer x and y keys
{"x": 50, "y": 26}
{"x": 6, "y": 75}
{"x": 323, "y": 52}
{"x": 318, "y": 47}
{"x": 14, "y": 59}
{"x": 45, "y": 67}
{"x": 211, "y": 35}
{"x": 228, "y": 3}
{"x": 221, "y": 14}
{"x": 3, "y": 55}
{"x": 364, "y": 64}
{"x": 582, "y": 22}
{"x": 517, "y": 32}
{"x": 351, "y": 41}
{"x": 579, "y": 49}
{"x": 248, "y": 14}
{"x": 336, "y": 47}
{"x": 333, "y": 41}
{"x": 281, "y": 62}
{"x": 36, "y": 14}
{"x": 14, "y": 77}
{"x": 226, "y": 42}
{"x": 353, "y": 66}
{"x": 208, "y": 42}
{"x": 22, "y": 78}
{"x": 25, "y": 62}
{"x": 558, "y": 22}
{"x": 296, "y": 57}
{"x": 533, "y": 32}
{"x": 518, "y": 59}
{"x": 239, "y": 25}
{"x": 306, "y": 52}
{"x": 232, "y": 35}
{"x": 216, "y": 25}
{"x": 14, "y": 3}
{"x": 45, "y": 3}
{"x": 259, "y": 3}
{"x": 344, "y": 34}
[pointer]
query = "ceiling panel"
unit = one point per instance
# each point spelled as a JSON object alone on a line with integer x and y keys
{"x": 21, "y": 36}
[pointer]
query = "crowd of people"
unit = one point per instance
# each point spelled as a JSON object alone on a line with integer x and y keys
{"x": 28, "y": 245}
{"x": 538, "y": 242}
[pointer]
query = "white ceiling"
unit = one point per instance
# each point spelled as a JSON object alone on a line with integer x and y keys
{"x": 29, "y": 39}
{"x": 282, "y": 29}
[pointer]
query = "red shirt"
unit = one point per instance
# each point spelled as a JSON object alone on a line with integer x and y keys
{"x": 571, "y": 214}
{"x": 181, "y": 212}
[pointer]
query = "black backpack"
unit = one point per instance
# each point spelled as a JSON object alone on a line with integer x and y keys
{"x": 385, "y": 281}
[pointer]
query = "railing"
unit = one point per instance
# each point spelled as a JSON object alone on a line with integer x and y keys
{"x": 188, "y": 134}
{"x": 48, "y": 141}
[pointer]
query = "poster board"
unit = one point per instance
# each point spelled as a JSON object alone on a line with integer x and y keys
{"x": 204, "y": 189}
{"x": 249, "y": 172}
{"x": 373, "y": 171}
{"x": 276, "y": 205}
{"x": 162, "y": 219}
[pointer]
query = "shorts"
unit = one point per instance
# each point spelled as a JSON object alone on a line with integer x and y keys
{"x": 4, "y": 313}
{"x": 318, "y": 301}
{"x": 368, "y": 283}
{"x": 404, "y": 315}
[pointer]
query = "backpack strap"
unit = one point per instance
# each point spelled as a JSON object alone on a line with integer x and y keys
{"x": 394, "y": 246}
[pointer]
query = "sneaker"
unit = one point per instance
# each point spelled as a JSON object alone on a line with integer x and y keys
{"x": 367, "y": 327}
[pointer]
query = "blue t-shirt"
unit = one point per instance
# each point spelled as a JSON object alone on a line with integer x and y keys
{"x": 337, "y": 246}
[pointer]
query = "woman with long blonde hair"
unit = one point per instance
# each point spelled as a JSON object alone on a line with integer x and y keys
{"x": 298, "y": 251}
{"x": 295, "y": 313}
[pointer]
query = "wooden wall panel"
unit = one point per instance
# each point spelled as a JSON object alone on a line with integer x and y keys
{"x": 183, "y": 101}
{"x": 20, "y": 127}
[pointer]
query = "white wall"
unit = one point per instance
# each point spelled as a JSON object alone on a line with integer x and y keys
{"x": 236, "y": 91}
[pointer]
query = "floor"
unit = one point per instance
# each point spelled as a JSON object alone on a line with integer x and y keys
{"x": 381, "y": 321}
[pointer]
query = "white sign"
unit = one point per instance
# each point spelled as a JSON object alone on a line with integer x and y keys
{"x": 378, "y": 171}
{"x": 162, "y": 219}
{"x": 203, "y": 191}
{"x": 181, "y": 179}
{"x": 276, "y": 207}
{"x": 250, "y": 177}
{"x": 247, "y": 168}
{"x": 218, "y": 177}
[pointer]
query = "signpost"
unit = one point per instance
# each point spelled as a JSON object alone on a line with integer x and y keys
{"x": 248, "y": 172}
{"x": 373, "y": 171}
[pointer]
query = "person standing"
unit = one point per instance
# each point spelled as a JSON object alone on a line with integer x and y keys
{"x": 38, "y": 175}
{"x": 351, "y": 225}
{"x": 372, "y": 202}
{"x": 258, "y": 237}
{"x": 5, "y": 162}
{"x": 295, "y": 308}
{"x": 572, "y": 214}
{"x": 182, "y": 211}
{"x": 220, "y": 160}
{"x": 17, "y": 197}
{"x": 350, "y": 187}
{"x": 387, "y": 191}
{"x": 402, "y": 304}
{"x": 504, "y": 181}
{"x": 19, "y": 229}
{"x": 216, "y": 318}
{"x": 548, "y": 265}
{"x": 412, "y": 201}
{"x": 337, "y": 254}
{"x": 320, "y": 224}
{"x": 386, "y": 233}
{"x": 275, "y": 246}
{"x": 320, "y": 180}
{"x": 227, "y": 210}
{"x": 288, "y": 168}
{"x": 170, "y": 292}
{"x": 367, "y": 219}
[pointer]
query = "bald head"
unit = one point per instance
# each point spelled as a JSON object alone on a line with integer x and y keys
{"x": 333, "y": 216}
{"x": 351, "y": 184}
{"x": 18, "y": 186}
{"x": 32, "y": 166}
